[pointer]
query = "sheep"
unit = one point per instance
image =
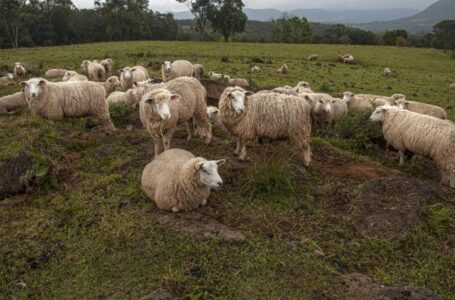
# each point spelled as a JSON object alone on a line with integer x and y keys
{"x": 218, "y": 76}
{"x": 164, "y": 106}
{"x": 248, "y": 116}
{"x": 303, "y": 87}
{"x": 239, "y": 82}
{"x": 419, "y": 107}
{"x": 283, "y": 70}
{"x": 327, "y": 110}
{"x": 452, "y": 86}
{"x": 363, "y": 102}
{"x": 55, "y": 73}
{"x": 347, "y": 58}
{"x": 94, "y": 70}
{"x": 198, "y": 71}
{"x": 179, "y": 68}
{"x": 6, "y": 80}
{"x": 387, "y": 72}
{"x": 12, "y": 102}
{"x": 56, "y": 101}
{"x": 213, "y": 113}
{"x": 107, "y": 63}
{"x": 74, "y": 76}
{"x": 19, "y": 70}
{"x": 177, "y": 181}
{"x": 421, "y": 134}
{"x": 129, "y": 75}
{"x": 256, "y": 69}
{"x": 122, "y": 97}
{"x": 313, "y": 57}
{"x": 110, "y": 85}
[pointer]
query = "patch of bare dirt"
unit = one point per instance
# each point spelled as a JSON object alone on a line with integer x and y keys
{"x": 390, "y": 208}
{"x": 199, "y": 225}
{"x": 159, "y": 294}
{"x": 360, "y": 287}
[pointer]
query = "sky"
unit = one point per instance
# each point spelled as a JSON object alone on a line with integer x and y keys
{"x": 172, "y": 5}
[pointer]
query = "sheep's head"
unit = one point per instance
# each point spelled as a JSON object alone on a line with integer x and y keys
{"x": 397, "y": 97}
{"x": 378, "y": 113}
{"x": 238, "y": 97}
{"x": 160, "y": 100}
{"x": 347, "y": 96}
{"x": 167, "y": 66}
{"x": 17, "y": 65}
{"x": 324, "y": 105}
{"x": 208, "y": 173}
{"x": 127, "y": 73}
{"x": 33, "y": 87}
{"x": 212, "y": 112}
{"x": 113, "y": 81}
{"x": 68, "y": 75}
{"x": 400, "y": 103}
{"x": 10, "y": 76}
{"x": 304, "y": 84}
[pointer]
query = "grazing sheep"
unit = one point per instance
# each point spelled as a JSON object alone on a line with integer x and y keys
{"x": 19, "y": 70}
{"x": 176, "y": 180}
{"x": 110, "y": 85}
{"x": 239, "y": 82}
{"x": 6, "y": 80}
{"x": 55, "y": 73}
{"x": 283, "y": 70}
{"x": 129, "y": 75}
{"x": 179, "y": 68}
{"x": 387, "y": 72}
{"x": 94, "y": 70}
{"x": 421, "y": 134}
{"x": 313, "y": 57}
{"x": 256, "y": 69}
{"x": 198, "y": 71}
{"x": 75, "y": 99}
{"x": 347, "y": 58}
{"x": 122, "y": 97}
{"x": 248, "y": 116}
{"x": 364, "y": 102}
{"x": 107, "y": 64}
{"x": 218, "y": 76}
{"x": 419, "y": 107}
{"x": 452, "y": 86}
{"x": 74, "y": 76}
{"x": 164, "y": 106}
{"x": 12, "y": 102}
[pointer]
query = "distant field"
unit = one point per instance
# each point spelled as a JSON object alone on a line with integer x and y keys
{"x": 88, "y": 231}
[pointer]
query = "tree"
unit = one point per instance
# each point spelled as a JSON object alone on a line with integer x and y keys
{"x": 445, "y": 35}
{"x": 10, "y": 12}
{"x": 401, "y": 42}
{"x": 293, "y": 30}
{"x": 390, "y": 37}
{"x": 227, "y": 17}
{"x": 199, "y": 9}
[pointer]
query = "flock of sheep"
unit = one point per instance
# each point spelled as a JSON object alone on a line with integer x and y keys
{"x": 177, "y": 180}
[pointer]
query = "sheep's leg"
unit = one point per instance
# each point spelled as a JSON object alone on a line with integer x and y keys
{"x": 208, "y": 133}
{"x": 243, "y": 154}
{"x": 204, "y": 202}
{"x": 239, "y": 147}
{"x": 167, "y": 142}
{"x": 157, "y": 146}
{"x": 175, "y": 209}
{"x": 190, "y": 129}
{"x": 401, "y": 155}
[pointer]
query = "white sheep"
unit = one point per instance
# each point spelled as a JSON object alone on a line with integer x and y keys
{"x": 421, "y": 134}
{"x": 328, "y": 110}
{"x": 7, "y": 79}
{"x": 129, "y": 75}
{"x": 107, "y": 63}
{"x": 179, "y": 68}
{"x": 74, "y": 76}
{"x": 313, "y": 57}
{"x": 218, "y": 76}
{"x": 283, "y": 70}
{"x": 347, "y": 58}
{"x": 198, "y": 71}
{"x": 55, "y": 73}
{"x": 110, "y": 85}
{"x": 256, "y": 69}
{"x": 452, "y": 86}
{"x": 419, "y": 107}
{"x": 248, "y": 116}
{"x": 19, "y": 70}
{"x": 122, "y": 97}
{"x": 364, "y": 102}
{"x": 176, "y": 180}
{"x": 73, "y": 99}
{"x": 387, "y": 72}
{"x": 11, "y": 102}
{"x": 239, "y": 82}
{"x": 303, "y": 87}
{"x": 94, "y": 70}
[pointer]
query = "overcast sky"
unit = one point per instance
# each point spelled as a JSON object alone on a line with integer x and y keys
{"x": 172, "y": 5}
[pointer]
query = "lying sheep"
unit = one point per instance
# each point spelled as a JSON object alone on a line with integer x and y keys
{"x": 182, "y": 100}
{"x": 122, "y": 97}
{"x": 12, "y": 102}
{"x": 178, "y": 181}
{"x": 218, "y": 76}
{"x": 74, "y": 76}
{"x": 179, "y": 68}
{"x": 364, "y": 102}
{"x": 129, "y": 75}
{"x": 313, "y": 57}
{"x": 107, "y": 65}
{"x": 256, "y": 69}
{"x": 55, "y": 73}
{"x": 347, "y": 58}
{"x": 19, "y": 70}
{"x": 239, "y": 82}
{"x": 248, "y": 116}
{"x": 419, "y": 107}
{"x": 110, "y": 85}
{"x": 198, "y": 71}
{"x": 94, "y": 70}
{"x": 283, "y": 70}
{"x": 74, "y": 99}
{"x": 452, "y": 86}
{"x": 421, "y": 134}
{"x": 387, "y": 72}
{"x": 6, "y": 80}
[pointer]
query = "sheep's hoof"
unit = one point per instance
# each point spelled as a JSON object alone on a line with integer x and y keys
{"x": 175, "y": 210}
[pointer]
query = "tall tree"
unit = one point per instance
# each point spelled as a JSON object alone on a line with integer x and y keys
{"x": 10, "y": 12}
{"x": 445, "y": 35}
{"x": 293, "y": 30}
{"x": 227, "y": 17}
{"x": 199, "y": 9}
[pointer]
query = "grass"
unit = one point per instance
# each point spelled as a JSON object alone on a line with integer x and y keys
{"x": 88, "y": 231}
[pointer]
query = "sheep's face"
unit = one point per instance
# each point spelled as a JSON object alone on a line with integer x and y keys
{"x": 167, "y": 66}
{"x": 212, "y": 112}
{"x": 347, "y": 96}
{"x": 397, "y": 97}
{"x": 17, "y": 65}
{"x": 10, "y": 76}
{"x": 378, "y": 114}
{"x": 208, "y": 173}
{"x": 84, "y": 65}
{"x": 400, "y": 103}
{"x": 127, "y": 73}
{"x": 238, "y": 100}
{"x": 113, "y": 81}
{"x": 160, "y": 100}
{"x": 324, "y": 105}
{"x": 33, "y": 87}
{"x": 67, "y": 76}
{"x": 304, "y": 84}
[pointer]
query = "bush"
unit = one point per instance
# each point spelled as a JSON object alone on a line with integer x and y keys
{"x": 440, "y": 218}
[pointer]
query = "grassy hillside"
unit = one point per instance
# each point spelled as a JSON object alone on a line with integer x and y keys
{"x": 86, "y": 230}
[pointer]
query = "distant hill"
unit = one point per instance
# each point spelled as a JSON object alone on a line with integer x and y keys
{"x": 420, "y": 22}
{"x": 321, "y": 15}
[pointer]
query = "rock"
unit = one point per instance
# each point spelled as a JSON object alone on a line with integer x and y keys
{"x": 13, "y": 179}
{"x": 158, "y": 294}
{"x": 197, "y": 224}
{"x": 389, "y": 208}
{"x": 360, "y": 287}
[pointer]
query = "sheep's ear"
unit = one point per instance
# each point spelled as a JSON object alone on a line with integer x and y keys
{"x": 248, "y": 93}
{"x": 220, "y": 162}
{"x": 135, "y": 83}
{"x": 150, "y": 101}
{"x": 199, "y": 165}
{"x": 42, "y": 82}
{"x": 23, "y": 83}
{"x": 134, "y": 69}
{"x": 120, "y": 71}
{"x": 175, "y": 97}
